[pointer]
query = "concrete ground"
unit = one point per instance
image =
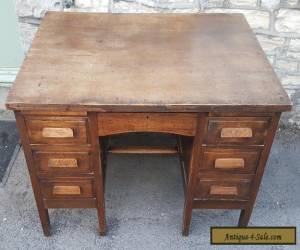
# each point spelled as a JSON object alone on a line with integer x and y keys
{"x": 144, "y": 204}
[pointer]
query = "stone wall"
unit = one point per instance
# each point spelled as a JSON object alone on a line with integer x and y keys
{"x": 276, "y": 24}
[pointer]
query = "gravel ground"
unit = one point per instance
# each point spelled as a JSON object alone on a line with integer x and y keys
{"x": 144, "y": 204}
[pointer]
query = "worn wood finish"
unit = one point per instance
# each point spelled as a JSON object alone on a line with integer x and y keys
{"x": 66, "y": 190}
{"x": 240, "y": 114}
{"x": 62, "y": 147}
{"x": 246, "y": 212}
{"x": 146, "y": 73}
{"x": 233, "y": 188}
{"x": 185, "y": 148}
{"x": 216, "y": 204}
{"x": 143, "y": 150}
{"x": 42, "y": 209}
{"x": 55, "y": 113}
{"x": 57, "y": 130}
{"x": 234, "y": 160}
{"x": 228, "y": 163}
{"x": 195, "y": 157}
{"x": 64, "y": 172}
{"x": 236, "y": 130}
{"x": 223, "y": 188}
{"x": 182, "y": 162}
{"x": 62, "y": 162}
{"x": 99, "y": 170}
{"x": 236, "y": 133}
{"x": 116, "y": 123}
{"x": 71, "y": 203}
{"x": 146, "y": 63}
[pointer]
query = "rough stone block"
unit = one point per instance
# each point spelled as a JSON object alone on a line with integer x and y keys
{"x": 271, "y": 59}
{"x": 176, "y": 1}
{"x": 213, "y": 3}
{"x": 85, "y": 3}
{"x": 294, "y": 55}
{"x": 35, "y": 8}
{"x": 27, "y": 33}
{"x": 270, "y": 4}
{"x": 250, "y": 3}
{"x": 127, "y": 7}
{"x": 90, "y": 4}
{"x": 288, "y": 20}
{"x": 193, "y": 10}
{"x": 291, "y": 83}
{"x": 257, "y": 19}
{"x": 287, "y": 65}
{"x": 269, "y": 43}
{"x": 294, "y": 45}
{"x": 292, "y": 3}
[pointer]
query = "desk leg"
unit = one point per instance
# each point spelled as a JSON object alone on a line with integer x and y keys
{"x": 43, "y": 212}
{"x": 103, "y": 145}
{"x": 246, "y": 212}
{"x": 193, "y": 170}
{"x": 245, "y": 216}
{"x": 98, "y": 168}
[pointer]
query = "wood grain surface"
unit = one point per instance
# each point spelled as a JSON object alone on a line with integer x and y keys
{"x": 145, "y": 62}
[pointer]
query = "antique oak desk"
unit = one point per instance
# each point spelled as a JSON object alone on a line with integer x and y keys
{"x": 202, "y": 78}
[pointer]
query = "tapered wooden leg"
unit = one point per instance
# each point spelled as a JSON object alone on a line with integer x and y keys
{"x": 245, "y": 217}
{"x": 193, "y": 171}
{"x": 97, "y": 156}
{"x": 187, "y": 215}
{"x": 45, "y": 221}
{"x": 103, "y": 142}
{"x": 43, "y": 212}
{"x": 101, "y": 219}
{"x": 246, "y": 213}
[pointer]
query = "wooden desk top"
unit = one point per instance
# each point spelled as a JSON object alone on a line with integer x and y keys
{"x": 146, "y": 62}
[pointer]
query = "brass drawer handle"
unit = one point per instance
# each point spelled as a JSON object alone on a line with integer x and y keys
{"x": 63, "y": 163}
{"x": 66, "y": 190}
{"x": 222, "y": 190}
{"x": 236, "y": 132}
{"x": 228, "y": 163}
{"x": 57, "y": 133}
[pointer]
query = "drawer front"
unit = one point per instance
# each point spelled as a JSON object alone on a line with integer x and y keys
{"x": 230, "y": 160}
{"x": 174, "y": 123}
{"x": 237, "y": 130}
{"x": 223, "y": 189}
{"x": 71, "y": 203}
{"x": 57, "y": 130}
{"x": 67, "y": 188}
{"x": 63, "y": 162}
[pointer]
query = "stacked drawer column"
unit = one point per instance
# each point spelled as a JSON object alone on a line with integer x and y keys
{"x": 227, "y": 162}
{"x": 63, "y": 157}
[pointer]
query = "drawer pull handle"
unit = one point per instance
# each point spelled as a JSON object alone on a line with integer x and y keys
{"x": 58, "y": 133}
{"x": 63, "y": 163}
{"x": 236, "y": 132}
{"x": 228, "y": 163}
{"x": 66, "y": 190}
{"x": 221, "y": 190}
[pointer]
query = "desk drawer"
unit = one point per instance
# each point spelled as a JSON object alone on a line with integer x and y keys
{"x": 223, "y": 188}
{"x": 237, "y": 130}
{"x": 174, "y": 123}
{"x": 67, "y": 188}
{"x": 63, "y": 163}
{"x": 224, "y": 160}
{"x": 57, "y": 130}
